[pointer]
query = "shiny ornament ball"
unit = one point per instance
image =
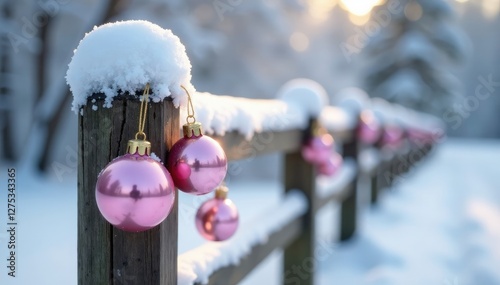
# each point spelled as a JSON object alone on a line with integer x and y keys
{"x": 197, "y": 163}
{"x": 331, "y": 166}
{"x": 417, "y": 135}
{"x": 217, "y": 219}
{"x": 135, "y": 192}
{"x": 368, "y": 128}
{"x": 392, "y": 135}
{"x": 318, "y": 149}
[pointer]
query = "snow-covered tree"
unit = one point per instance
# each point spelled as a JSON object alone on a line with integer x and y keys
{"x": 38, "y": 39}
{"x": 412, "y": 56}
{"x": 6, "y": 124}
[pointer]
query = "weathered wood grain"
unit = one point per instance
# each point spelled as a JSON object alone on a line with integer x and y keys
{"x": 348, "y": 207}
{"x": 301, "y": 175}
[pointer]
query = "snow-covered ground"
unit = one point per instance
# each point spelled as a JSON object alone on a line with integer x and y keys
{"x": 440, "y": 225}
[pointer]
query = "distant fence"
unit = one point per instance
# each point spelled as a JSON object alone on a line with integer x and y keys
{"x": 110, "y": 256}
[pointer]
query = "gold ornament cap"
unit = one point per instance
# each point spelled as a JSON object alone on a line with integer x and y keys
{"x": 192, "y": 130}
{"x": 221, "y": 192}
{"x": 141, "y": 147}
{"x": 316, "y": 129}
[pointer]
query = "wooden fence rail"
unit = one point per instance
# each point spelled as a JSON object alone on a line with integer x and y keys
{"x": 109, "y": 256}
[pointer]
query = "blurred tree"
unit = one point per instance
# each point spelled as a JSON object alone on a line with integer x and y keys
{"x": 240, "y": 48}
{"x": 411, "y": 56}
{"x": 7, "y": 144}
{"x": 41, "y": 36}
{"x": 51, "y": 121}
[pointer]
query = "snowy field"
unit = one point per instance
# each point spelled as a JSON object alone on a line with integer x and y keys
{"x": 439, "y": 225}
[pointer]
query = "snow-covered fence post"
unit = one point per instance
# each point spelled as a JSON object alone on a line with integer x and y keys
{"x": 107, "y": 255}
{"x": 348, "y": 207}
{"x": 107, "y": 74}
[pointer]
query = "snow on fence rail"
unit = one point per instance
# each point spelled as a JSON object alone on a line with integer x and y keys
{"x": 109, "y": 68}
{"x": 199, "y": 264}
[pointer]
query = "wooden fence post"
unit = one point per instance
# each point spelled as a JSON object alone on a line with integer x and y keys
{"x": 299, "y": 263}
{"x": 374, "y": 186}
{"x": 348, "y": 207}
{"x": 106, "y": 255}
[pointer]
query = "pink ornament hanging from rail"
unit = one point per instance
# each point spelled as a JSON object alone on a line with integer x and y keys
{"x": 332, "y": 165}
{"x": 197, "y": 162}
{"x": 368, "y": 127}
{"x": 217, "y": 219}
{"x": 318, "y": 149}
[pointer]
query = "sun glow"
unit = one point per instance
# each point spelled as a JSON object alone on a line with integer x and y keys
{"x": 320, "y": 9}
{"x": 299, "y": 41}
{"x": 360, "y": 7}
{"x": 490, "y": 8}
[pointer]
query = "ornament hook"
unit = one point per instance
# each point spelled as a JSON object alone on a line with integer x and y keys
{"x": 142, "y": 113}
{"x": 190, "y": 109}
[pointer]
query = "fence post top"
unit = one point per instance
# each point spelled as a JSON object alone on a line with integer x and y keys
{"x": 123, "y": 57}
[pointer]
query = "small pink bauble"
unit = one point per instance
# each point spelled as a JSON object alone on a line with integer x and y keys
{"x": 392, "y": 135}
{"x": 198, "y": 163}
{"x": 318, "y": 149}
{"x": 416, "y": 135}
{"x": 332, "y": 165}
{"x": 430, "y": 137}
{"x": 368, "y": 128}
{"x": 217, "y": 219}
{"x": 135, "y": 192}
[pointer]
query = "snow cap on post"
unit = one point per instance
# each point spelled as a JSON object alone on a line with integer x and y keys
{"x": 124, "y": 56}
{"x": 308, "y": 95}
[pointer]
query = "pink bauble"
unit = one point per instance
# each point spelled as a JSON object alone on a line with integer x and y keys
{"x": 134, "y": 192}
{"x": 217, "y": 219}
{"x": 331, "y": 166}
{"x": 318, "y": 149}
{"x": 198, "y": 164}
{"x": 368, "y": 128}
{"x": 416, "y": 135}
{"x": 429, "y": 137}
{"x": 392, "y": 135}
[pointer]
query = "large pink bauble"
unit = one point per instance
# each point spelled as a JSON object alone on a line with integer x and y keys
{"x": 318, "y": 149}
{"x": 198, "y": 164}
{"x": 217, "y": 219}
{"x": 135, "y": 192}
{"x": 368, "y": 128}
{"x": 332, "y": 165}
